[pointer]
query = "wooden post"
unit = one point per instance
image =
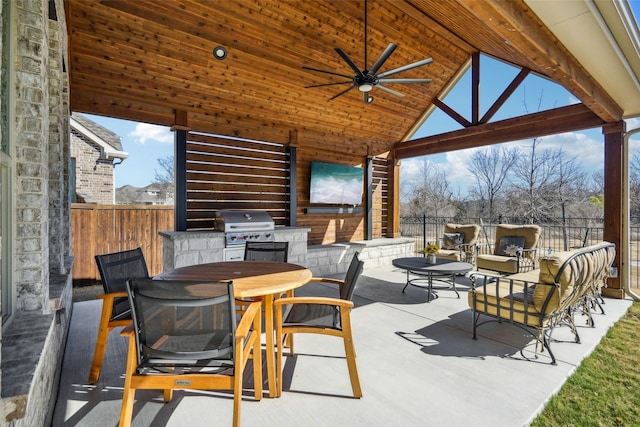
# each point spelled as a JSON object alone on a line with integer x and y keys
{"x": 369, "y": 198}
{"x": 393, "y": 201}
{"x": 613, "y": 185}
{"x": 180, "y": 128}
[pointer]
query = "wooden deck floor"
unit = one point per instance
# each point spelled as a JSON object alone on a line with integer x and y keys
{"x": 417, "y": 362}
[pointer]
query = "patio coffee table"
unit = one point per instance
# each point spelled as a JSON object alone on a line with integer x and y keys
{"x": 443, "y": 270}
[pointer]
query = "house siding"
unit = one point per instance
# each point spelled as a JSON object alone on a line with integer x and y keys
{"x": 94, "y": 176}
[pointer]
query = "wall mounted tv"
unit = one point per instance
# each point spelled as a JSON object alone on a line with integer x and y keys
{"x": 335, "y": 184}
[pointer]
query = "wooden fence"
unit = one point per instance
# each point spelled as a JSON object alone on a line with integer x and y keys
{"x": 100, "y": 229}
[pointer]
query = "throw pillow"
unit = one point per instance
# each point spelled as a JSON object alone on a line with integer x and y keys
{"x": 510, "y": 246}
{"x": 452, "y": 240}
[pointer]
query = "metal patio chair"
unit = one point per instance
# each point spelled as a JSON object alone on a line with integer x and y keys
{"x": 266, "y": 251}
{"x": 184, "y": 336}
{"x": 115, "y": 269}
{"x": 317, "y": 315}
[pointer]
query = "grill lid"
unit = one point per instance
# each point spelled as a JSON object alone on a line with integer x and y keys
{"x": 242, "y": 220}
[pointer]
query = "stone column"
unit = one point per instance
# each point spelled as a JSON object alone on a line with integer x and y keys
{"x": 32, "y": 157}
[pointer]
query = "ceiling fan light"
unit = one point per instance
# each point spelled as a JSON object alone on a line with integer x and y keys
{"x": 365, "y": 87}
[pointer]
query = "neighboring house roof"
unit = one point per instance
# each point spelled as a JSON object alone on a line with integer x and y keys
{"x": 109, "y": 143}
{"x": 152, "y": 194}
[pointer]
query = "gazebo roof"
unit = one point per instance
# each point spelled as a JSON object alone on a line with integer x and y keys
{"x": 152, "y": 61}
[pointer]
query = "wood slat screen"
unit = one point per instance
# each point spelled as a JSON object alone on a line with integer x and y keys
{"x": 380, "y": 197}
{"x": 102, "y": 229}
{"x": 225, "y": 173}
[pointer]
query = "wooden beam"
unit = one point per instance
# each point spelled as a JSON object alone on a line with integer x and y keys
{"x": 522, "y": 30}
{"x": 550, "y": 122}
{"x": 475, "y": 87}
{"x": 505, "y": 95}
{"x": 451, "y": 113}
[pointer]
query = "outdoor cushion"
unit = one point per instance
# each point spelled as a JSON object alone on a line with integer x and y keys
{"x": 452, "y": 240}
{"x": 531, "y": 233}
{"x": 510, "y": 245}
{"x": 469, "y": 232}
{"x": 504, "y": 264}
{"x": 452, "y": 254}
{"x": 507, "y": 301}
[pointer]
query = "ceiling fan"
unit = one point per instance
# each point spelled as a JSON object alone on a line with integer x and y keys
{"x": 367, "y": 79}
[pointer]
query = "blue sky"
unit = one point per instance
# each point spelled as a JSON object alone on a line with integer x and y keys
{"x": 147, "y": 143}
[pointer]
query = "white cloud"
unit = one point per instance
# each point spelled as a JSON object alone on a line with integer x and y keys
{"x": 153, "y": 133}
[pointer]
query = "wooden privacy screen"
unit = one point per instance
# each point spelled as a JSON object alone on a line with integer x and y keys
{"x": 225, "y": 173}
{"x": 380, "y": 197}
{"x": 328, "y": 228}
{"x": 103, "y": 229}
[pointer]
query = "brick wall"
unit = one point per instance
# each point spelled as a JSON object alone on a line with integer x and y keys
{"x": 94, "y": 177}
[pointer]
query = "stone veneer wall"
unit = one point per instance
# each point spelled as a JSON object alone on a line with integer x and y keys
{"x": 33, "y": 341}
{"x": 330, "y": 260}
{"x": 183, "y": 248}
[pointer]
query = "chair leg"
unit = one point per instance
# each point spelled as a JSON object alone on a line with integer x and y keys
{"x": 237, "y": 391}
{"x": 101, "y": 342}
{"x": 128, "y": 395}
{"x": 350, "y": 353}
{"x": 167, "y": 394}
{"x": 279, "y": 349}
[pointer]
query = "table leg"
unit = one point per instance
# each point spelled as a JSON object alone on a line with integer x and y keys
{"x": 453, "y": 281}
{"x": 407, "y": 284}
{"x": 270, "y": 348}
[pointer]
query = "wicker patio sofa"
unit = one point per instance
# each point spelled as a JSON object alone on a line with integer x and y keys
{"x": 549, "y": 296}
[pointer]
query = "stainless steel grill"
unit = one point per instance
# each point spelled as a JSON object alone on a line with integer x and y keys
{"x": 241, "y": 226}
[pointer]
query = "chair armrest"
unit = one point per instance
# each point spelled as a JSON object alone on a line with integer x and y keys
{"x": 314, "y": 300}
{"x": 247, "y": 319}
{"x": 329, "y": 281}
{"x": 483, "y": 276}
{"x": 127, "y": 331}
{"x": 113, "y": 295}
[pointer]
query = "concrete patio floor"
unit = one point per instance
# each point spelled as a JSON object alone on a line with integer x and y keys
{"x": 417, "y": 362}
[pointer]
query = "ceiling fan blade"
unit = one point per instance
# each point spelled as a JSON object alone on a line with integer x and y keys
{"x": 382, "y": 58}
{"x": 391, "y": 91}
{"x": 406, "y": 67}
{"x": 341, "y": 93}
{"x": 328, "y": 72}
{"x": 329, "y": 84}
{"x": 404, "y": 80}
{"x": 349, "y": 61}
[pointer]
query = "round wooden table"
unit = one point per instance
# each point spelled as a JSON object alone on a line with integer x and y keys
{"x": 265, "y": 280}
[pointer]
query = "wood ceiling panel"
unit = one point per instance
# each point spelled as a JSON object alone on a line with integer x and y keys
{"x": 145, "y": 59}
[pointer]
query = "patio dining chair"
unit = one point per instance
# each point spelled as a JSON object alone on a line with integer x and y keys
{"x": 115, "y": 269}
{"x": 266, "y": 251}
{"x": 319, "y": 315}
{"x": 184, "y": 336}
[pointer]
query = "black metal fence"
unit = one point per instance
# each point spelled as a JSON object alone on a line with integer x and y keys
{"x": 557, "y": 234}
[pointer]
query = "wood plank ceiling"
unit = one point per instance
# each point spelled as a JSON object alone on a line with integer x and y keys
{"x": 145, "y": 60}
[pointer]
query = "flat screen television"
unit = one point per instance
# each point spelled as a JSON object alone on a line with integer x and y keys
{"x": 335, "y": 184}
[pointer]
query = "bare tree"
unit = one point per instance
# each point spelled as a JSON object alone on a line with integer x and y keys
{"x": 430, "y": 193}
{"x": 491, "y": 167}
{"x": 634, "y": 184}
{"x": 165, "y": 175}
{"x": 536, "y": 178}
